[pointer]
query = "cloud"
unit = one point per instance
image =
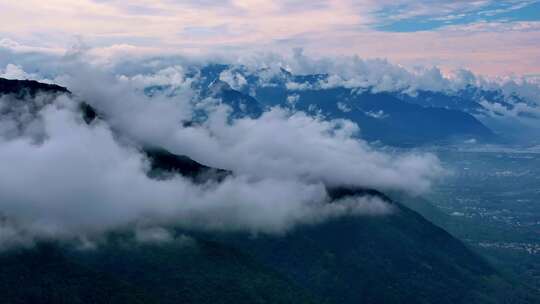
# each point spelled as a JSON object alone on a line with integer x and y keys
{"x": 520, "y": 95}
{"x": 80, "y": 180}
{"x": 293, "y": 99}
{"x": 15, "y": 72}
{"x": 239, "y": 27}
{"x": 12, "y": 71}
{"x": 145, "y": 69}
{"x": 343, "y": 107}
{"x": 379, "y": 114}
{"x": 518, "y": 120}
{"x": 154, "y": 235}
{"x": 62, "y": 178}
{"x": 279, "y": 144}
{"x": 235, "y": 80}
{"x": 354, "y": 72}
{"x": 378, "y": 75}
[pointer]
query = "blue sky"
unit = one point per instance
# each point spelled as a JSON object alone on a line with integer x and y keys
{"x": 397, "y": 18}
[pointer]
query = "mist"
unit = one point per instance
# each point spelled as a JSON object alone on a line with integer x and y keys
{"x": 65, "y": 179}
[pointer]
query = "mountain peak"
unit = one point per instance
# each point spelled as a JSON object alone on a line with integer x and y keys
{"x": 23, "y": 88}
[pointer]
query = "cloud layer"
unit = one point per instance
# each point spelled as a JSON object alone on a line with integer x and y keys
{"x": 489, "y": 37}
{"x": 82, "y": 181}
{"x": 62, "y": 178}
{"x": 65, "y": 179}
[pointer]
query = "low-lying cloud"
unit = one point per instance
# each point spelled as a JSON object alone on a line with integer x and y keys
{"x": 63, "y": 178}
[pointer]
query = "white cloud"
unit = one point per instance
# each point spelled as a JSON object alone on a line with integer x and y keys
{"x": 15, "y": 72}
{"x": 343, "y": 107}
{"x": 153, "y": 235}
{"x": 17, "y": 47}
{"x": 378, "y": 114}
{"x": 80, "y": 180}
{"x": 292, "y": 100}
{"x": 279, "y": 144}
{"x": 240, "y": 27}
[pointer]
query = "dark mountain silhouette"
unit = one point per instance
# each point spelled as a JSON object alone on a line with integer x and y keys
{"x": 382, "y": 116}
{"x": 22, "y": 88}
{"x": 241, "y": 104}
{"x": 164, "y": 164}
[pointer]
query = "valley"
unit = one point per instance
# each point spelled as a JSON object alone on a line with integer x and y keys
{"x": 491, "y": 201}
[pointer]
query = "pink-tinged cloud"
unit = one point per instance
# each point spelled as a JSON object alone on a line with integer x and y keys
{"x": 321, "y": 27}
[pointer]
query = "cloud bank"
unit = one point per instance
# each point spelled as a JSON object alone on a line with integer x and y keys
{"x": 490, "y": 37}
{"x": 62, "y": 178}
{"x": 175, "y": 72}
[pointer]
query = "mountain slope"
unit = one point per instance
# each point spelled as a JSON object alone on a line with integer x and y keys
{"x": 381, "y": 116}
{"x": 399, "y": 258}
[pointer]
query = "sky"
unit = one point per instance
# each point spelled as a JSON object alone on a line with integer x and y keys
{"x": 494, "y": 38}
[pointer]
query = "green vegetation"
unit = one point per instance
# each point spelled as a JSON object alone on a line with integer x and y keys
{"x": 400, "y": 258}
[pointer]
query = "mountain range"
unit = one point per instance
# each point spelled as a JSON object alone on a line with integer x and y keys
{"x": 393, "y": 117}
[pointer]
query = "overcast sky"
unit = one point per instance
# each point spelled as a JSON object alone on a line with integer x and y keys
{"x": 486, "y": 36}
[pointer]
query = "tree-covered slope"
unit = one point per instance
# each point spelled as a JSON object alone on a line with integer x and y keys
{"x": 125, "y": 272}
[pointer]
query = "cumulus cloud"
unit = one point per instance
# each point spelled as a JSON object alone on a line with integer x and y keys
{"x": 353, "y": 72}
{"x": 343, "y": 107}
{"x": 279, "y": 144}
{"x": 62, "y": 178}
{"x": 519, "y": 93}
{"x": 293, "y": 99}
{"x": 378, "y": 114}
{"x": 235, "y": 80}
{"x": 517, "y": 120}
{"x": 379, "y": 75}
{"x": 12, "y": 71}
{"x": 80, "y": 180}
{"x": 169, "y": 74}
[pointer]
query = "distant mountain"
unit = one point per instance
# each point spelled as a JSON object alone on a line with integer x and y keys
{"x": 384, "y": 117}
{"x": 390, "y": 117}
{"x": 241, "y": 104}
